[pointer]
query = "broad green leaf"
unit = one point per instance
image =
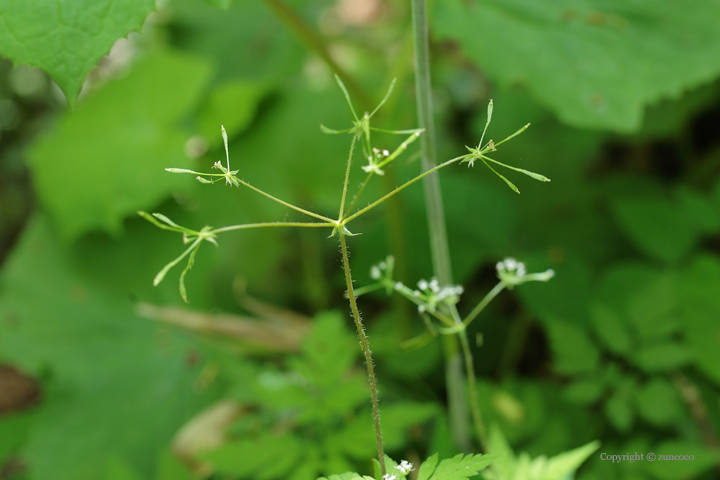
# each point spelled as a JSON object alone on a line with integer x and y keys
{"x": 659, "y": 402}
{"x": 661, "y": 357}
{"x": 107, "y": 160}
{"x": 564, "y": 465}
{"x": 619, "y": 411}
{"x": 567, "y": 296}
{"x": 390, "y": 466}
{"x": 699, "y": 209}
{"x": 232, "y": 104}
{"x": 398, "y": 418}
{"x": 357, "y": 438}
{"x": 221, "y": 4}
{"x": 595, "y": 64}
{"x": 522, "y": 467}
{"x": 611, "y": 329}
{"x": 644, "y": 298}
{"x": 67, "y": 39}
{"x": 505, "y": 465}
{"x": 701, "y": 317}
{"x": 309, "y": 468}
{"x": 702, "y": 331}
{"x": 457, "y": 468}
{"x": 653, "y": 306}
{"x": 584, "y": 391}
{"x": 265, "y": 457}
{"x": 106, "y": 371}
{"x": 573, "y": 351}
{"x": 428, "y": 467}
{"x": 328, "y": 351}
{"x": 657, "y": 226}
{"x": 347, "y": 476}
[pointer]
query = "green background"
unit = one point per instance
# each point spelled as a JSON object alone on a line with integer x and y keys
{"x": 623, "y": 345}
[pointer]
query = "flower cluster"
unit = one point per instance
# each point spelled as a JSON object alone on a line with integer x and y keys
{"x": 432, "y": 294}
{"x": 405, "y": 467}
{"x": 375, "y": 159}
{"x": 383, "y": 269}
{"x": 510, "y": 266}
{"x": 512, "y": 273}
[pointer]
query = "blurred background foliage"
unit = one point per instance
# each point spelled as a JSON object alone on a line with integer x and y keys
{"x": 103, "y": 376}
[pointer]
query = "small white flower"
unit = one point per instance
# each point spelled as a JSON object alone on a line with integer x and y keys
{"x": 435, "y": 285}
{"x": 398, "y": 286}
{"x": 375, "y": 273}
{"x": 500, "y": 266}
{"x": 386, "y": 153}
{"x": 405, "y": 467}
{"x": 382, "y": 265}
{"x": 510, "y": 264}
{"x": 416, "y": 293}
{"x": 520, "y": 269}
{"x": 421, "y": 308}
{"x": 387, "y": 476}
{"x": 423, "y": 285}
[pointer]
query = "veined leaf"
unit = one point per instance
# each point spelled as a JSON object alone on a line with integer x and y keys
{"x": 595, "y": 63}
{"x": 66, "y": 39}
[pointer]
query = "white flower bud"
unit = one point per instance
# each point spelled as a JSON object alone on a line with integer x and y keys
{"x": 520, "y": 269}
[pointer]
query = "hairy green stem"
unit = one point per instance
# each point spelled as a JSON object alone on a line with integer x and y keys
{"x": 366, "y": 351}
{"x": 436, "y": 216}
{"x": 347, "y": 179}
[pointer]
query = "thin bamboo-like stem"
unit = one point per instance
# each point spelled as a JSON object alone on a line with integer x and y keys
{"x": 433, "y": 195}
{"x": 366, "y": 351}
{"x": 436, "y": 217}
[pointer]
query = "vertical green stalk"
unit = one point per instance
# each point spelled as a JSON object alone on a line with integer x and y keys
{"x": 431, "y": 183}
{"x": 474, "y": 404}
{"x": 436, "y": 220}
{"x": 366, "y": 351}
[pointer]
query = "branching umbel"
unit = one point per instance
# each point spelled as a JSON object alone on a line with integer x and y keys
{"x": 377, "y": 160}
